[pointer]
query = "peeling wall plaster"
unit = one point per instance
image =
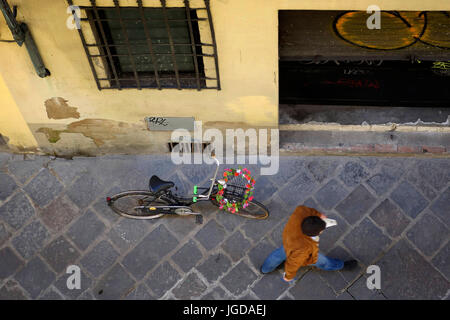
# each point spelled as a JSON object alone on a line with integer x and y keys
{"x": 57, "y": 108}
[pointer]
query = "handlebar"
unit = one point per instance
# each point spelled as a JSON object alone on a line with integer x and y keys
{"x": 213, "y": 179}
{"x": 217, "y": 161}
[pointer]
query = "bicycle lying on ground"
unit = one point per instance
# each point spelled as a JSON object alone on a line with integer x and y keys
{"x": 231, "y": 194}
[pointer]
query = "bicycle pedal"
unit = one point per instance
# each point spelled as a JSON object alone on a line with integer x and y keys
{"x": 199, "y": 219}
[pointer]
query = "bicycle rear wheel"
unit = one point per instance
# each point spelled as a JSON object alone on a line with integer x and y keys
{"x": 255, "y": 210}
{"x": 137, "y": 204}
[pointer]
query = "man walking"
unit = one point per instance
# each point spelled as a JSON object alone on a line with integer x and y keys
{"x": 301, "y": 245}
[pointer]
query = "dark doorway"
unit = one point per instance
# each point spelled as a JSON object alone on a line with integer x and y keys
{"x": 332, "y": 58}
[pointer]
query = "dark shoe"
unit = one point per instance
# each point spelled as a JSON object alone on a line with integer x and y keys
{"x": 260, "y": 270}
{"x": 350, "y": 265}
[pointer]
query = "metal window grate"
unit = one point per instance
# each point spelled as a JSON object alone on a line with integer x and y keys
{"x": 150, "y": 47}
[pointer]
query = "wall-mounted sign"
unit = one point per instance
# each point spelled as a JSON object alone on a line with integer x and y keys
{"x": 169, "y": 123}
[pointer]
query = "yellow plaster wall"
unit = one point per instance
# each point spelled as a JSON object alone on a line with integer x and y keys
{"x": 12, "y": 124}
{"x": 247, "y": 39}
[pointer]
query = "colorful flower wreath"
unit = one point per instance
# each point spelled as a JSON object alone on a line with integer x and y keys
{"x": 232, "y": 205}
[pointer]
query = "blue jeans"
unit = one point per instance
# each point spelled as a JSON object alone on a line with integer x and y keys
{"x": 278, "y": 256}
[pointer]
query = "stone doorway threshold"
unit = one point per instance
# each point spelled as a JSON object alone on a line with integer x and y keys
{"x": 364, "y": 130}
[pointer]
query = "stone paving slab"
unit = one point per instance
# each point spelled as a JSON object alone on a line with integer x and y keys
{"x": 428, "y": 234}
{"x": 190, "y": 288}
{"x": 407, "y": 275}
{"x": 239, "y": 278}
{"x": 140, "y": 293}
{"x": 188, "y": 256}
{"x": 12, "y": 291}
{"x": 409, "y": 199}
{"x": 391, "y": 212}
{"x": 59, "y": 254}
{"x": 269, "y": 287}
{"x": 390, "y": 218}
{"x": 7, "y": 186}
{"x": 442, "y": 260}
{"x": 100, "y": 258}
{"x": 4, "y": 234}
{"x": 440, "y": 206}
{"x": 312, "y": 287}
{"x": 85, "y": 230}
{"x": 17, "y": 210}
{"x": 10, "y": 262}
{"x": 23, "y": 169}
{"x": 59, "y": 213}
{"x": 43, "y": 188}
{"x": 163, "y": 279}
{"x": 61, "y": 285}
{"x": 215, "y": 266}
{"x": 356, "y": 204}
{"x": 216, "y": 293}
{"x": 116, "y": 284}
{"x": 149, "y": 251}
{"x": 51, "y": 294}
{"x": 366, "y": 242}
{"x": 31, "y": 239}
{"x": 35, "y": 277}
{"x": 359, "y": 291}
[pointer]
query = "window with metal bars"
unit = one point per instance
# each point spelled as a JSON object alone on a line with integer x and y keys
{"x": 150, "y": 47}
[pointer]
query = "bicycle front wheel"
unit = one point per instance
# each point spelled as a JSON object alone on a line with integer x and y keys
{"x": 137, "y": 204}
{"x": 255, "y": 210}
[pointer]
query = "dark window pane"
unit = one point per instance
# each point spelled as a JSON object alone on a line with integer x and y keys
{"x": 158, "y": 32}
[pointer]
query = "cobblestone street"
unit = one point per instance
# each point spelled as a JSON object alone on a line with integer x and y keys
{"x": 391, "y": 212}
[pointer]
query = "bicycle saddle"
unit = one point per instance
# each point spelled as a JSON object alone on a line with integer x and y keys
{"x": 156, "y": 184}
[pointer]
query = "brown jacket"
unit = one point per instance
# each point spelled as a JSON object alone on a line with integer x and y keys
{"x": 300, "y": 249}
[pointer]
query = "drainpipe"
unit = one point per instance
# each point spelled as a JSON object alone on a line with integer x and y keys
{"x": 21, "y": 35}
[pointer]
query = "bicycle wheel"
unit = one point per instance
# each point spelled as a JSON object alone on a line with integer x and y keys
{"x": 255, "y": 210}
{"x": 137, "y": 204}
